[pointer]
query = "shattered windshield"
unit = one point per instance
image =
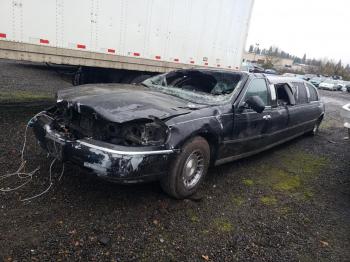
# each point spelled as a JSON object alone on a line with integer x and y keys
{"x": 197, "y": 86}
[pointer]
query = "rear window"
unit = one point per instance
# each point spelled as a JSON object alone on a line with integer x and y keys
{"x": 301, "y": 93}
{"x": 313, "y": 92}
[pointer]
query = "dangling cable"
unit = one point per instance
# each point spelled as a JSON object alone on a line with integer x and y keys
{"x": 28, "y": 175}
{"x": 47, "y": 189}
{"x": 20, "y": 173}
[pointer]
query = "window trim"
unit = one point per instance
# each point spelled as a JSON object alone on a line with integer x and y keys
{"x": 316, "y": 92}
{"x": 247, "y": 87}
{"x": 294, "y": 84}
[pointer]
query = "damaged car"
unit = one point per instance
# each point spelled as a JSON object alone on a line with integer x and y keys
{"x": 173, "y": 126}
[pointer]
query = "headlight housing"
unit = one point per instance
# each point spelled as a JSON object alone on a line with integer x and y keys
{"x": 138, "y": 133}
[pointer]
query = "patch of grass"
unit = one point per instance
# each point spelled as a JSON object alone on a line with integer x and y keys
{"x": 237, "y": 200}
{"x": 23, "y": 96}
{"x": 283, "y": 181}
{"x": 223, "y": 225}
{"x": 283, "y": 210}
{"x": 193, "y": 216}
{"x": 330, "y": 123}
{"x": 279, "y": 179}
{"x": 308, "y": 194}
{"x": 291, "y": 173}
{"x": 268, "y": 200}
{"x": 303, "y": 163}
{"x": 248, "y": 182}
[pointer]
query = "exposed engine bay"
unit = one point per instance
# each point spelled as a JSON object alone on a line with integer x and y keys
{"x": 76, "y": 122}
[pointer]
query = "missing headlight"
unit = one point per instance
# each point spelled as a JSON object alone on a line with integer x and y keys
{"x": 136, "y": 133}
{"x": 145, "y": 134}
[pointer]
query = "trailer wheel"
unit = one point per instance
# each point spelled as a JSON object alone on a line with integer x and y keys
{"x": 78, "y": 78}
{"x": 139, "y": 79}
{"x": 188, "y": 169}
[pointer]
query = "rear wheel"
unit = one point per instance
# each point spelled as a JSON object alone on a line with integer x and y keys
{"x": 188, "y": 169}
{"x": 316, "y": 127}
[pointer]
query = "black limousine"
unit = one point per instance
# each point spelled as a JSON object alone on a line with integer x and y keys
{"x": 171, "y": 127}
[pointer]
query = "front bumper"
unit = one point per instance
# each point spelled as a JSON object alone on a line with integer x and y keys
{"x": 118, "y": 163}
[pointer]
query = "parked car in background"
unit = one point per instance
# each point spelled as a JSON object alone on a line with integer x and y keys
{"x": 307, "y": 77}
{"x": 329, "y": 84}
{"x": 342, "y": 85}
{"x": 316, "y": 81}
{"x": 336, "y": 77}
{"x": 271, "y": 72}
{"x": 293, "y": 75}
{"x": 348, "y": 87}
{"x": 252, "y": 68}
{"x": 172, "y": 126}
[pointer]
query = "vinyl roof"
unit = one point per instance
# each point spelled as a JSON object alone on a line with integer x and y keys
{"x": 273, "y": 79}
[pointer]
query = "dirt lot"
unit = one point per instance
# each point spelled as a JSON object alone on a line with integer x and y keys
{"x": 290, "y": 203}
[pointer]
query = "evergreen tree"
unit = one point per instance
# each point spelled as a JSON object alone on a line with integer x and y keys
{"x": 304, "y": 59}
{"x": 251, "y": 49}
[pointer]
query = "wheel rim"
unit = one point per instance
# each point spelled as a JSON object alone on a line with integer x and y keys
{"x": 193, "y": 169}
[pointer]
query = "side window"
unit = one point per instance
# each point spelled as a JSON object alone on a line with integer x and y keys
{"x": 301, "y": 93}
{"x": 313, "y": 92}
{"x": 258, "y": 87}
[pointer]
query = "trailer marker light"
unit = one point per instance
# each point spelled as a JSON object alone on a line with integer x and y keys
{"x": 176, "y": 59}
{"x": 158, "y": 57}
{"x": 2, "y": 35}
{"x": 205, "y": 63}
{"x": 192, "y": 62}
{"x": 110, "y": 50}
{"x": 44, "y": 41}
{"x": 136, "y": 54}
{"x": 81, "y": 46}
{"x": 218, "y": 65}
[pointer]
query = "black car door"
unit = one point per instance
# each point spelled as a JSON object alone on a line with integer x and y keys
{"x": 250, "y": 128}
{"x": 301, "y": 117}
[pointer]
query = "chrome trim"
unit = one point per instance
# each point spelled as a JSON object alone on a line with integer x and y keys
{"x": 267, "y": 117}
{"x": 250, "y": 153}
{"x": 240, "y": 140}
{"x": 50, "y": 134}
{"x": 127, "y": 153}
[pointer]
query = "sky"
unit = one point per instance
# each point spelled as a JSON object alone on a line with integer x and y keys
{"x": 319, "y": 28}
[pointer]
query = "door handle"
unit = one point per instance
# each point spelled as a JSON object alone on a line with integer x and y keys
{"x": 267, "y": 117}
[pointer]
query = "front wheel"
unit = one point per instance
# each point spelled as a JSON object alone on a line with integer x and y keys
{"x": 188, "y": 169}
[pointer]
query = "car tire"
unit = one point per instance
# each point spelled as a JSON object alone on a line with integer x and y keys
{"x": 188, "y": 169}
{"x": 316, "y": 127}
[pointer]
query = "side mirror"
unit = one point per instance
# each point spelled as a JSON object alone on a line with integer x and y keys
{"x": 256, "y": 103}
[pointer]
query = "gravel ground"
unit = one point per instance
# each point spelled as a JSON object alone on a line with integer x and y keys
{"x": 290, "y": 203}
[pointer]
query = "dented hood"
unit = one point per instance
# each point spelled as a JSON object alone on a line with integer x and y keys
{"x": 121, "y": 103}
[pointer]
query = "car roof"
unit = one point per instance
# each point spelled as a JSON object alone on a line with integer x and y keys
{"x": 273, "y": 79}
{"x": 210, "y": 69}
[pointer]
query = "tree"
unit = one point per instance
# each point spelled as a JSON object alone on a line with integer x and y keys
{"x": 304, "y": 59}
{"x": 270, "y": 51}
{"x": 338, "y": 69}
{"x": 251, "y": 49}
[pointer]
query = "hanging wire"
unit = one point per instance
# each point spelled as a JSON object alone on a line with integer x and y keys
{"x": 21, "y": 174}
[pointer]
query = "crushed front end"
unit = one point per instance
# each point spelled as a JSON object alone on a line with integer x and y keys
{"x": 128, "y": 152}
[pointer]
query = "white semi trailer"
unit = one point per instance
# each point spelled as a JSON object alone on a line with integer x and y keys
{"x": 136, "y": 37}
